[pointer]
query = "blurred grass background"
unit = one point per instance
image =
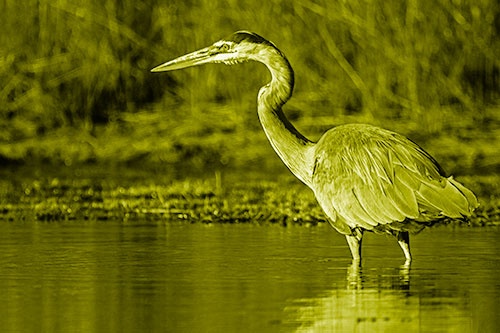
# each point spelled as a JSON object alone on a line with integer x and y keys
{"x": 75, "y": 86}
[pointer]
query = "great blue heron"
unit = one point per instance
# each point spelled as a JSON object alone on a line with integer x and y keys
{"x": 364, "y": 177}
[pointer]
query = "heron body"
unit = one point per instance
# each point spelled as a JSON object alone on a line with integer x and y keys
{"x": 364, "y": 177}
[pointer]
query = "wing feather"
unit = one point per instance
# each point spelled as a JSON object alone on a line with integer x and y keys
{"x": 470, "y": 197}
{"x": 403, "y": 196}
{"x": 369, "y": 176}
{"x": 381, "y": 209}
{"x": 447, "y": 198}
{"x": 351, "y": 210}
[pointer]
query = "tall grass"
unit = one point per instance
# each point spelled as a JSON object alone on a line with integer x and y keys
{"x": 75, "y": 81}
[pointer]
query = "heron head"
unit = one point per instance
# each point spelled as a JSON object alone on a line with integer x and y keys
{"x": 239, "y": 47}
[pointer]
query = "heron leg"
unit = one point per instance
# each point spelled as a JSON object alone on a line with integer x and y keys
{"x": 354, "y": 242}
{"x": 404, "y": 241}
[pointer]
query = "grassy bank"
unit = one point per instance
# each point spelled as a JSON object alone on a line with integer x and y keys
{"x": 222, "y": 197}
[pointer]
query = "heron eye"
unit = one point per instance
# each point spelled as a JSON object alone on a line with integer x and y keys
{"x": 224, "y": 48}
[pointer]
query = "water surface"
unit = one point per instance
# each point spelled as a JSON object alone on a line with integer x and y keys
{"x": 172, "y": 277}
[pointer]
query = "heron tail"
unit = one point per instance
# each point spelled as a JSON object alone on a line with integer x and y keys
{"x": 449, "y": 198}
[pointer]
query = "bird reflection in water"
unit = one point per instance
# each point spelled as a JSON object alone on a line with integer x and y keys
{"x": 377, "y": 299}
{"x": 400, "y": 281}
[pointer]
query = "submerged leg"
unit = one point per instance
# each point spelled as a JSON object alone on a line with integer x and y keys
{"x": 354, "y": 242}
{"x": 354, "y": 276}
{"x": 404, "y": 241}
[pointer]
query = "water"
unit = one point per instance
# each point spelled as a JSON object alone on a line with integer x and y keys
{"x": 169, "y": 277}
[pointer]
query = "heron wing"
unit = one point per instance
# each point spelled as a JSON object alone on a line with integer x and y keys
{"x": 366, "y": 176}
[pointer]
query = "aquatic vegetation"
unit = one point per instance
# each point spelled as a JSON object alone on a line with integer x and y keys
{"x": 230, "y": 198}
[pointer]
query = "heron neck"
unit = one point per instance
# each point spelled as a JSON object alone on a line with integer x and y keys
{"x": 294, "y": 149}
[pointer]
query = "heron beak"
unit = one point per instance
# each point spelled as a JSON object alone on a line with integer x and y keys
{"x": 191, "y": 59}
